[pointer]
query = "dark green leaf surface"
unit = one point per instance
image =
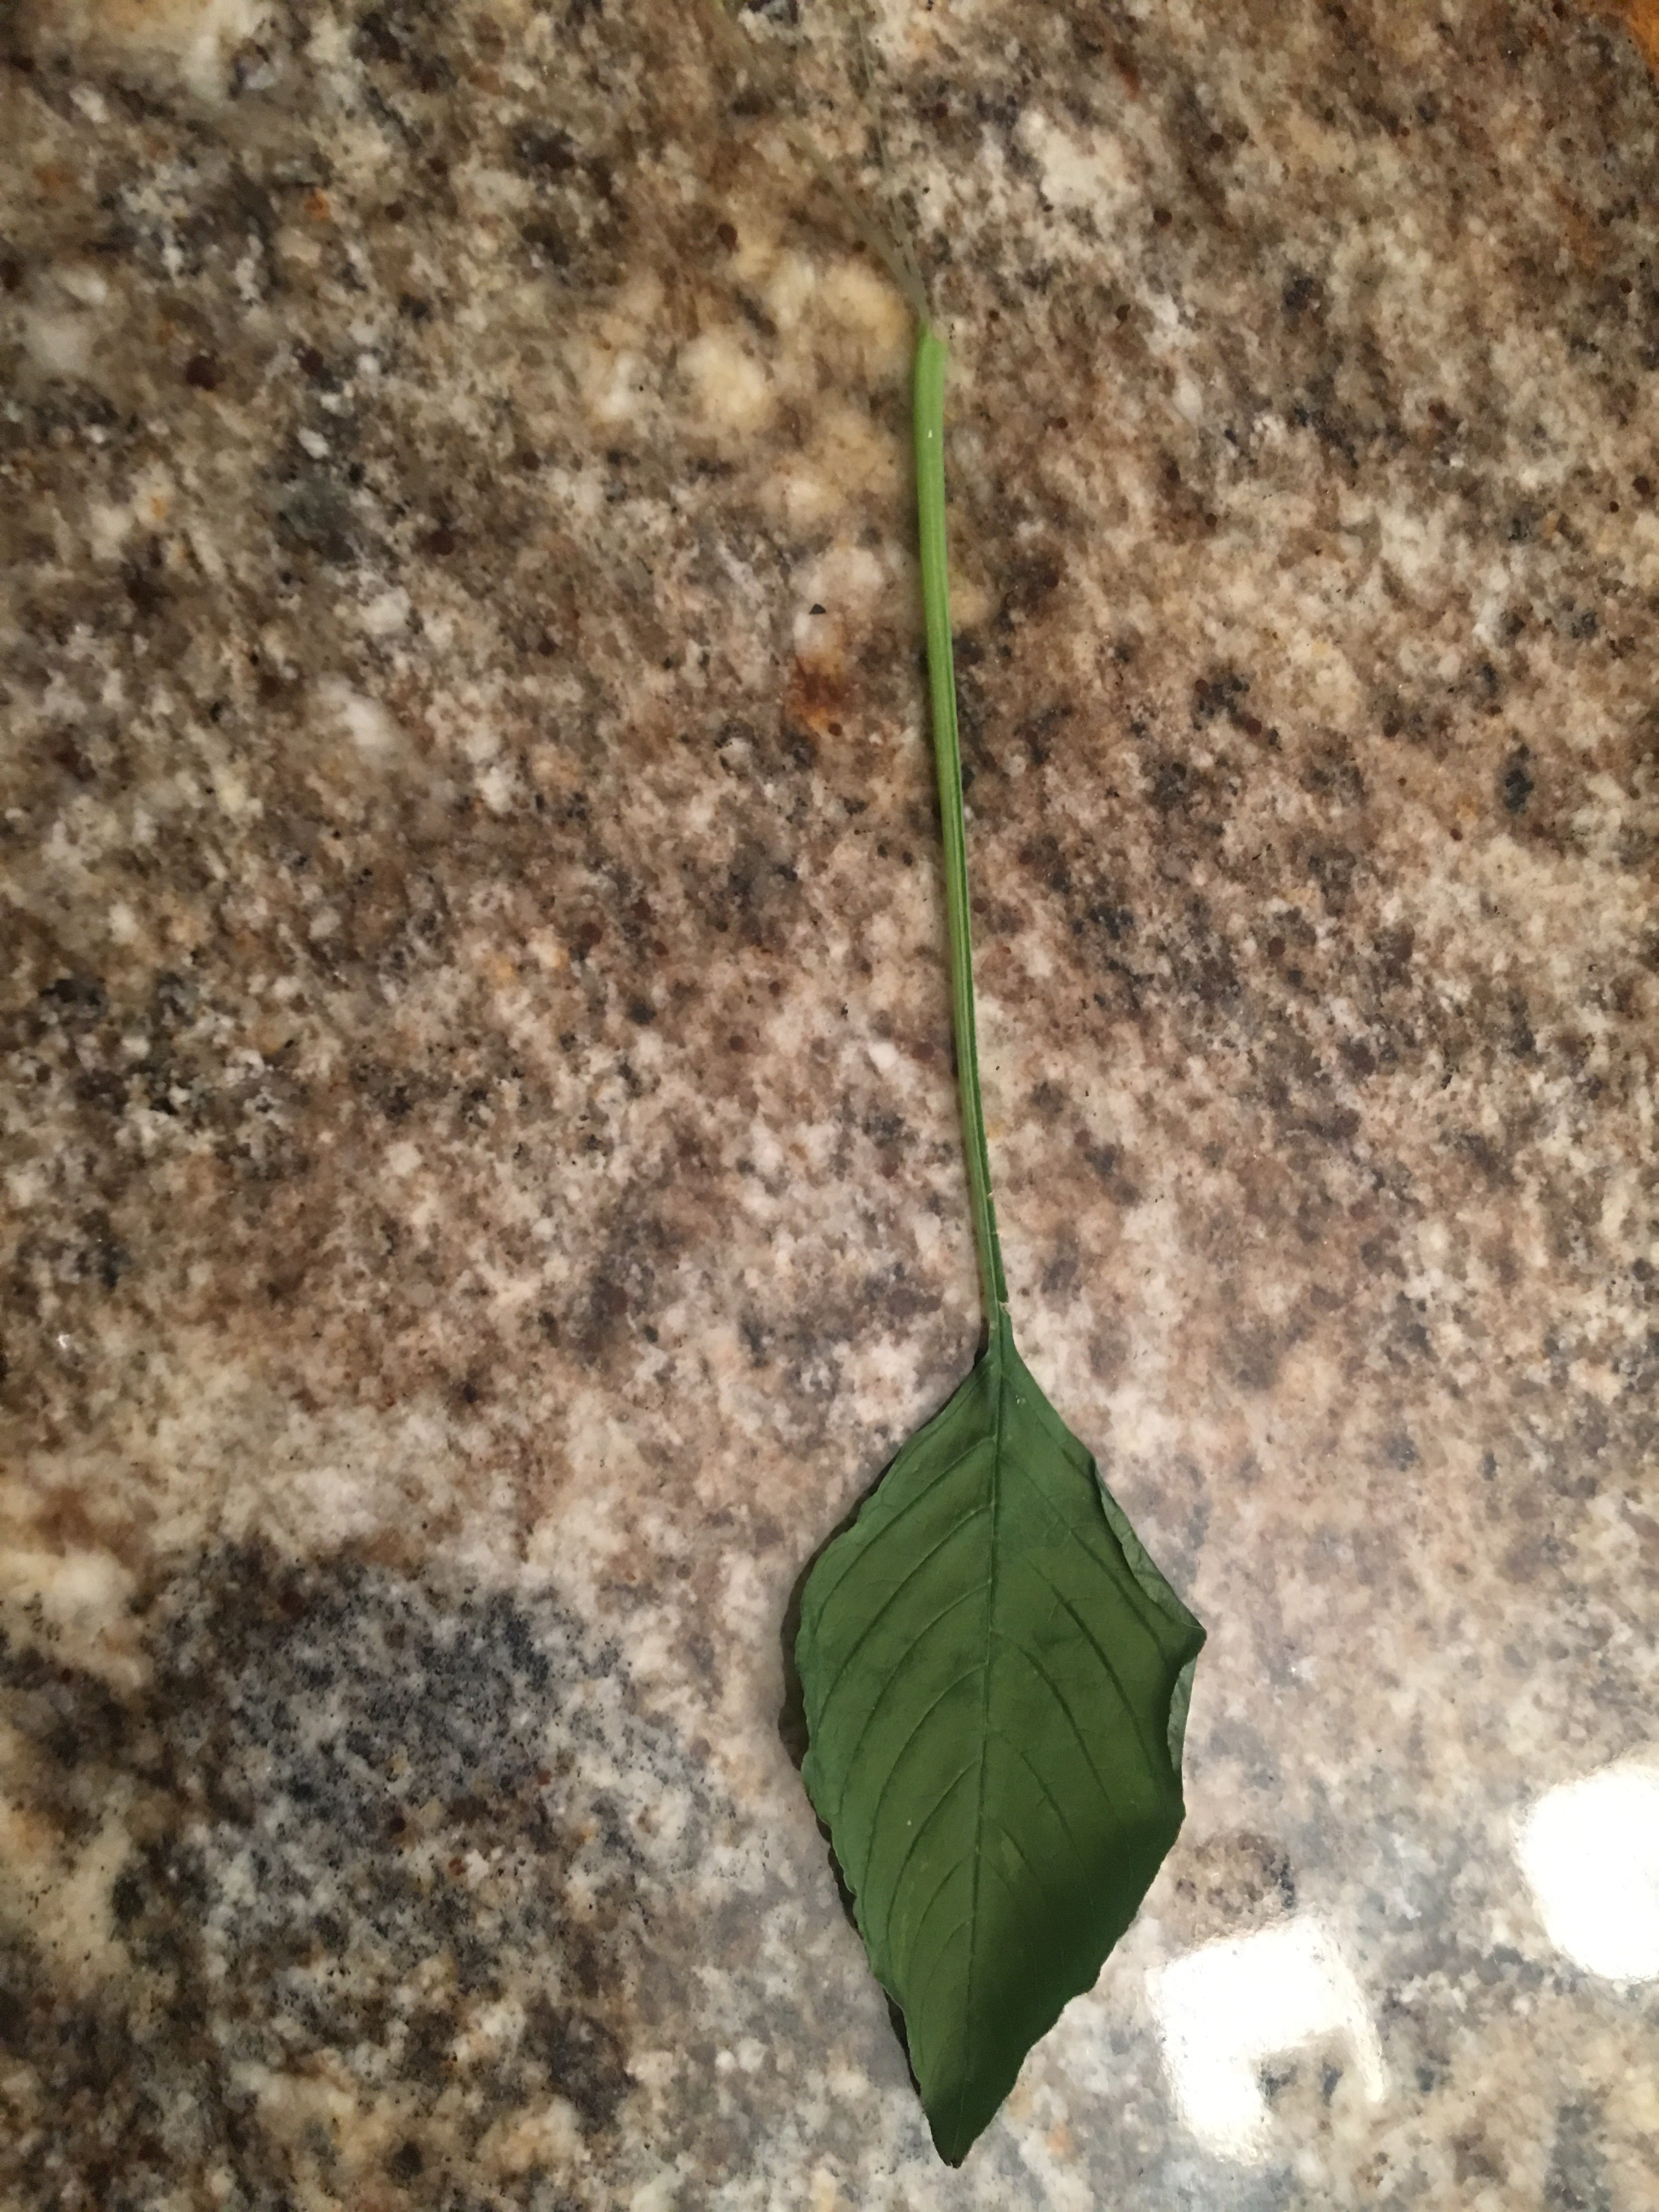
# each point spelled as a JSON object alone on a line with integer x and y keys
{"x": 995, "y": 1678}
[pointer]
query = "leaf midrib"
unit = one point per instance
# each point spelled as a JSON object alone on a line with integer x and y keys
{"x": 999, "y": 1349}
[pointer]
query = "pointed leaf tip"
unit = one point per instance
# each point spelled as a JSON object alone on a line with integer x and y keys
{"x": 995, "y": 1678}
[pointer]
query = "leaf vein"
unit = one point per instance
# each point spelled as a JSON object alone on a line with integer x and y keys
{"x": 859, "y": 1542}
{"x": 885, "y": 1606}
{"x": 1131, "y": 1709}
{"x": 921, "y": 1829}
{"x": 1054, "y": 1691}
{"x": 1037, "y": 1776}
{"x": 938, "y": 1890}
{"x": 897, "y": 1675}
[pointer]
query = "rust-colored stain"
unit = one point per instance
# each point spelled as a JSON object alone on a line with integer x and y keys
{"x": 1641, "y": 18}
{"x": 818, "y": 693}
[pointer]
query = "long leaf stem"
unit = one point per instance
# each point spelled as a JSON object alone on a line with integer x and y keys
{"x": 930, "y": 362}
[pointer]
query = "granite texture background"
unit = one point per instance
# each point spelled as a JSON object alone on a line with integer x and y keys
{"x": 481, "y": 1191}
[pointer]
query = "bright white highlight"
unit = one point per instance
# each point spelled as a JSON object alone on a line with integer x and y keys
{"x": 1589, "y": 1850}
{"x": 1225, "y": 2009}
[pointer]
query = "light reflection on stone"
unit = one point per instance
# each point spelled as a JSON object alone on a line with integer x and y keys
{"x": 1589, "y": 1850}
{"x": 1225, "y": 2009}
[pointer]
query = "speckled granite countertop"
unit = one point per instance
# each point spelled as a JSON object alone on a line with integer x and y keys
{"x": 482, "y": 1188}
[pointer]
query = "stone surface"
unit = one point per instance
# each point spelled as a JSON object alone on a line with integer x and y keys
{"x": 481, "y": 1194}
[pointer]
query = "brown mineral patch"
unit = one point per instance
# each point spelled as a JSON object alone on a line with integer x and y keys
{"x": 1228, "y": 1883}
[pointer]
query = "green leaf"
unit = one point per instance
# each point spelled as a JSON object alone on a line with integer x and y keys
{"x": 995, "y": 1678}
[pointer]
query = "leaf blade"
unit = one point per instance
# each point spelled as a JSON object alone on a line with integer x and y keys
{"x": 1045, "y": 1803}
